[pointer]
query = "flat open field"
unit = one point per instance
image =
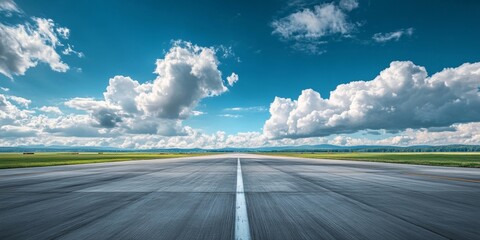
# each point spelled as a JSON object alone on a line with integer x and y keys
{"x": 17, "y": 160}
{"x": 435, "y": 159}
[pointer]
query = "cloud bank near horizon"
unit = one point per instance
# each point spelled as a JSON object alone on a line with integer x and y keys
{"x": 403, "y": 104}
{"x": 401, "y": 97}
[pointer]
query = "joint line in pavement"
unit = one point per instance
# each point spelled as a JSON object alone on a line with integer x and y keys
{"x": 242, "y": 229}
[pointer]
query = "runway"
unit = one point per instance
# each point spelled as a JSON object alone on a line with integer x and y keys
{"x": 198, "y": 197}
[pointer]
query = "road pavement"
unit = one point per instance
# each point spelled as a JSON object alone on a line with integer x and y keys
{"x": 199, "y": 197}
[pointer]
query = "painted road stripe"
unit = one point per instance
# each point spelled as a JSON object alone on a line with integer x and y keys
{"x": 242, "y": 229}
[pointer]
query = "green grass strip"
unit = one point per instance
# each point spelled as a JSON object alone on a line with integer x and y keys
{"x": 471, "y": 160}
{"x": 19, "y": 160}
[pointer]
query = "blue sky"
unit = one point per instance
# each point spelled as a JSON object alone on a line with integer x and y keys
{"x": 277, "y": 49}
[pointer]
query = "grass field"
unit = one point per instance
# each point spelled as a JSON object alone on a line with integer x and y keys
{"x": 18, "y": 160}
{"x": 437, "y": 159}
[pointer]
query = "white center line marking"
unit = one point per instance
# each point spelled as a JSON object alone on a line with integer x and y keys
{"x": 242, "y": 229}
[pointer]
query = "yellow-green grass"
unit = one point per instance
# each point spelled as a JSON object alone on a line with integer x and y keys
{"x": 19, "y": 160}
{"x": 437, "y": 159}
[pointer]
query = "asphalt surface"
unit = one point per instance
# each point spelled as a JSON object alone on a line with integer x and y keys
{"x": 194, "y": 198}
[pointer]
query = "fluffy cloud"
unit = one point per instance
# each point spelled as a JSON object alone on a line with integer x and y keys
{"x": 70, "y": 125}
{"x": 86, "y": 104}
{"x": 232, "y": 79}
{"x": 322, "y": 20}
{"x": 392, "y": 36}
{"x": 348, "y": 5}
{"x": 50, "y": 109}
{"x": 466, "y": 133}
{"x": 307, "y": 28}
{"x": 106, "y": 118}
{"x": 69, "y": 49}
{"x": 8, "y": 6}
{"x": 187, "y": 74}
{"x": 122, "y": 91}
{"x": 197, "y": 113}
{"x": 12, "y": 112}
{"x": 9, "y": 131}
{"x": 63, "y": 32}
{"x": 401, "y": 97}
{"x": 23, "y": 46}
{"x": 3, "y": 101}
{"x": 462, "y": 133}
{"x": 20, "y": 100}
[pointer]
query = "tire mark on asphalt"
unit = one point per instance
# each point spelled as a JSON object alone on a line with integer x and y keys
{"x": 30, "y": 181}
{"x": 357, "y": 201}
{"x": 59, "y": 193}
{"x": 410, "y": 190}
{"x": 92, "y": 221}
{"x": 80, "y": 184}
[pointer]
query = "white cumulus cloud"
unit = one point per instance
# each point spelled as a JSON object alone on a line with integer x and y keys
{"x": 9, "y": 131}
{"x": 309, "y": 27}
{"x": 8, "y": 6}
{"x": 20, "y": 100}
{"x": 36, "y": 40}
{"x": 69, "y": 51}
{"x": 401, "y": 97}
{"x": 63, "y": 32}
{"x": 232, "y": 79}
{"x": 313, "y": 23}
{"x": 187, "y": 74}
{"x": 23, "y": 46}
{"x": 12, "y": 110}
{"x": 50, "y": 109}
